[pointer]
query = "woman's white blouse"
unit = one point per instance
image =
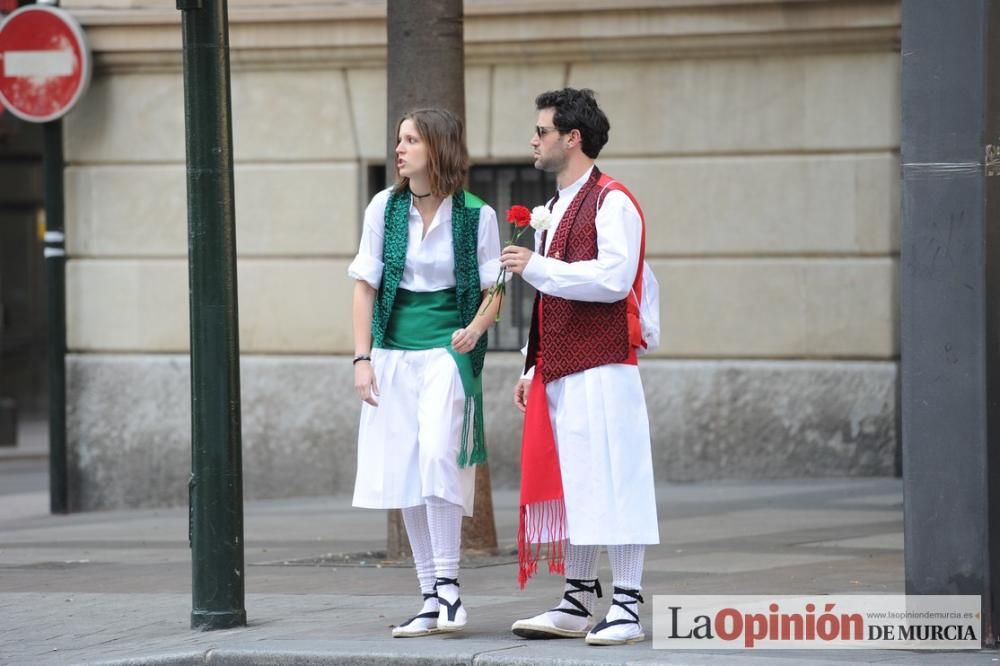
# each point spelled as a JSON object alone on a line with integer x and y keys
{"x": 430, "y": 262}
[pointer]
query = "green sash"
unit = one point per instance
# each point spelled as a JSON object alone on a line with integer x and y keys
{"x": 465, "y": 208}
{"x": 426, "y": 320}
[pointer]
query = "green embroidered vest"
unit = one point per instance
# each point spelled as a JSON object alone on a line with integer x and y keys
{"x": 467, "y": 297}
{"x": 465, "y": 242}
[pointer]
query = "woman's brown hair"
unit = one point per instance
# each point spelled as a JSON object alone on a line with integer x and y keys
{"x": 447, "y": 155}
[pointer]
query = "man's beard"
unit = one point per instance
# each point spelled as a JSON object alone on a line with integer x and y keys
{"x": 551, "y": 163}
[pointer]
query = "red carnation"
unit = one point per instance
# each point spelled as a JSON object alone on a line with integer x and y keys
{"x": 519, "y": 216}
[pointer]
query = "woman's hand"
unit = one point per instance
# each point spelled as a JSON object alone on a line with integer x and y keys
{"x": 364, "y": 382}
{"x": 464, "y": 339}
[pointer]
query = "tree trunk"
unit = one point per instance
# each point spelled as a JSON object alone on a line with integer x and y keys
{"x": 425, "y": 62}
{"x": 479, "y": 533}
{"x": 425, "y": 67}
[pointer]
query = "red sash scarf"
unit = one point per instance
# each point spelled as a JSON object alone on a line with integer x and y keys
{"x": 542, "y": 519}
{"x": 542, "y": 510}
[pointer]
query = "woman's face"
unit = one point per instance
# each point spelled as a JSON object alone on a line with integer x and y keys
{"x": 411, "y": 151}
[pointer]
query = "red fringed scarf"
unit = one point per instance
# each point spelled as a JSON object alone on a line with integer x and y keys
{"x": 543, "y": 512}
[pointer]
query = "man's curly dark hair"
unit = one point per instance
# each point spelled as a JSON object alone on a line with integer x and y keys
{"x": 578, "y": 110}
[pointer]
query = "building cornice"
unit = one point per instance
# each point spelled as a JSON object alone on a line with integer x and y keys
{"x": 138, "y": 35}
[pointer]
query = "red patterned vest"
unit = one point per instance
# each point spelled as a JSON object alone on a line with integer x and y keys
{"x": 579, "y": 335}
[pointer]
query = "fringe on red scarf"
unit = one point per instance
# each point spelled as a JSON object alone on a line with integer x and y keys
{"x": 542, "y": 521}
{"x": 542, "y": 527}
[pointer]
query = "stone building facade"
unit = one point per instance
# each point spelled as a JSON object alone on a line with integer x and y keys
{"x": 761, "y": 138}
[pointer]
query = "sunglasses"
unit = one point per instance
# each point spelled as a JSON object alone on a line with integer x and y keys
{"x": 542, "y": 131}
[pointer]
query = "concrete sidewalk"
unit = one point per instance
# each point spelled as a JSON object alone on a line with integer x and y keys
{"x": 115, "y": 587}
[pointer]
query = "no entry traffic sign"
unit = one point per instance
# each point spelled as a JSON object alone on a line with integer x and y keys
{"x": 44, "y": 63}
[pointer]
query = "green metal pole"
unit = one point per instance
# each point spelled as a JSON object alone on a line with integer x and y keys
{"x": 216, "y": 486}
{"x": 55, "y": 258}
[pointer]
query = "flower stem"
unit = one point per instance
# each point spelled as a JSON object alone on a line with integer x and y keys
{"x": 500, "y": 286}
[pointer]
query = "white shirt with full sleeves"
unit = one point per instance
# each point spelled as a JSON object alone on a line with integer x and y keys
{"x": 609, "y": 277}
{"x": 430, "y": 263}
{"x": 599, "y": 415}
{"x": 408, "y": 445}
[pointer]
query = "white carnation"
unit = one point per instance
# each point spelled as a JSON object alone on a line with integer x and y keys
{"x": 541, "y": 218}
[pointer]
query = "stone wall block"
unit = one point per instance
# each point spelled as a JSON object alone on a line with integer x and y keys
{"x": 134, "y": 211}
{"x": 839, "y": 101}
{"x": 745, "y": 205}
{"x": 513, "y": 106}
{"x": 281, "y": 210}
{"x": 128, "y": 118}
{"x": 730, "y": 308}
{"x": 778, "y": 308}
{"x": 769, "y": 419}
{"x": 292, "y": 115}
{"x": 368, "y": 108}
{"x": 127, "y": 305}
{"x": 852, "y": 307}
{"x": 130, "y": 423}
{"x": 298, "y": 114}
{"x": 285, "y": 305}
{"x": 478, "y": 99}
{"x": 295, "y": 306}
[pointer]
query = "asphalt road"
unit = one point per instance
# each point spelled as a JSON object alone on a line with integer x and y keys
{"x": 24, "y": 476}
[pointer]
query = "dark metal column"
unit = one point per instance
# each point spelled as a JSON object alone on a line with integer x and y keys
{"x": 216, "y": 487}
{"x": 55, "y": 259}
{"x": 950, "y": 284}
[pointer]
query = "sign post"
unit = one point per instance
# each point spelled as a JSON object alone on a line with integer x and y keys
{"x": 45, "y": 67}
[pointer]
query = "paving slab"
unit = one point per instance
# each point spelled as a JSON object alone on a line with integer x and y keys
{"x": 115, "y": 587}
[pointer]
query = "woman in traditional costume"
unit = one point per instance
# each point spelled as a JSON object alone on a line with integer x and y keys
{"x": 428, "y": 251}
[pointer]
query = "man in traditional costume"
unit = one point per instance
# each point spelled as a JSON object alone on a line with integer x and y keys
{"x": 587, "y": 473}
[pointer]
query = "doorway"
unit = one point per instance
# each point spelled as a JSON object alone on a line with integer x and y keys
{"x": 23, "y": 311}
